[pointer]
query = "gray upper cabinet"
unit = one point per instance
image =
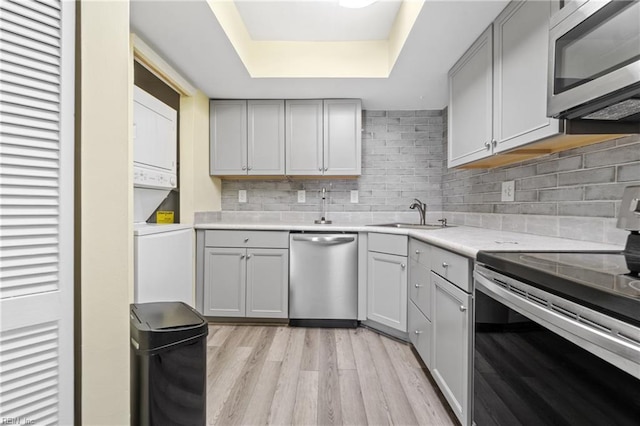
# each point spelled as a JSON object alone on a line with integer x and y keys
{"x": 265, "y": 143}
{"x": 304, "y": 137}
{"x": 228, "y": 138}
{"x": 497, "y": 89}
{"x": 470, "y": 105}
{"x": 342, "y": 136}
{"x": 521, "y": 46}
{"x": 324, "y": 137}
{"x": 247, "y": 137}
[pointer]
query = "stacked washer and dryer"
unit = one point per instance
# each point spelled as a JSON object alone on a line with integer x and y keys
{"x": 163, "y": 253}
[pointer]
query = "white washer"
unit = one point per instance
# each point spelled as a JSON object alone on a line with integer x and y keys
{"x": 163, "y": 263}
{"x": 163, "y": 253}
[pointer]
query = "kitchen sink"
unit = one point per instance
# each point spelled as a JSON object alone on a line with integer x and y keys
{"x": 411, "y": 225}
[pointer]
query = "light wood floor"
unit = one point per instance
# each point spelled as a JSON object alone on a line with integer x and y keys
{"x": 260, "y": 375}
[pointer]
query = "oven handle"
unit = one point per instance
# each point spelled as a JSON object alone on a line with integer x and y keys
{"x": 625, "y": 354}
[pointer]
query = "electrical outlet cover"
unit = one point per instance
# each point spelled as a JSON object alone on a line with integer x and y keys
{"x": 302, "y": 196}
{"x": 354, "y": 196}
{"x": 508, "y": 191}
{"x": 242, "y": 196}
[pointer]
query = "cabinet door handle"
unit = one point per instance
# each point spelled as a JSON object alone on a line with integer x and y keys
{"x": 242, "y": 256}
{"x": 249, "y": 256}
{"x": 494, "y": 143}
{"x": 487, "y": 145}
{"x": 418, "y": 332}
{"x": 326, "y": 168}
{"x": 418, "y": 285}
{"x": 402, "y": 265}
{"x": 463, "y": 308}
{"x": 249, "y": 168}
{"x": 445, "y": 265}
{"x": 246, "y": 240}
{"x": 244, "y": 167}
{"x": 319, "y": 169}
{"x": 417, "y": 251}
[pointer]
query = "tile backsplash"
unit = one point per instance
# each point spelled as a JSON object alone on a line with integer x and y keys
{"x": 402, "y": 158}
{"x": 586, "y": 181}
{"x": 573, "y": 194}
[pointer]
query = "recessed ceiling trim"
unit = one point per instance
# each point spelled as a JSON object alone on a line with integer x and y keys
{"x": 356, "y": 4}
{"x": 407, "y": 15}
{"x": 321, "y": 59}
{"x": 148, "y": 58}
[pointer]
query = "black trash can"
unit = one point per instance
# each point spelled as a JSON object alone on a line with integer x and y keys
{"x": 168, "y": 364}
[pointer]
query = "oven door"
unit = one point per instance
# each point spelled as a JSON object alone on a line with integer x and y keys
{"x": 532, "y": 366}
{"x": 593, "y": 52}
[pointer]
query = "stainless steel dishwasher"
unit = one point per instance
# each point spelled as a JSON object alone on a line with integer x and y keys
{"x": 323, "y": 279}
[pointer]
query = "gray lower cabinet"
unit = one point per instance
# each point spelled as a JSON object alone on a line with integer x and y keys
{"x": 451, "y": 351}
{"x": 420, "y": 330}
{"x": 267, "y": 283}
{"x": 246, "y": 282}
{"x": 419, "y": 309}
{"x": 387, "y": 290}
{"x": 244, "y": 273}
{"x": 224, "y": 281}
{"x": 439, "y": 320}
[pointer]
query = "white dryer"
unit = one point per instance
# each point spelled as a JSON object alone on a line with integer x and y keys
{"x": 163, "y": 253}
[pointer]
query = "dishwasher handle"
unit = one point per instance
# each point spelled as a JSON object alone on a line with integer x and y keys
{"x": 328, "y": 240}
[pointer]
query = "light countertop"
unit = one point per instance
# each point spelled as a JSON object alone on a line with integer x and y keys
{"x": 465, "y": 240}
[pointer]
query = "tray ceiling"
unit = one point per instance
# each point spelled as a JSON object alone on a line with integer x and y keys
{"x": 197, "y": 41}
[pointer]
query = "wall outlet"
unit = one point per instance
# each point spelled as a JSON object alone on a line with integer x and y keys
{"x": 302, "y": 196}
{"x": 508, "y": 191}
{"x": 242, "y": 196}
{"x": 354, "y": 196}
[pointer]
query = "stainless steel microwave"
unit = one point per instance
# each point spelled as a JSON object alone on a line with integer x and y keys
{"x": 594, "y": 61}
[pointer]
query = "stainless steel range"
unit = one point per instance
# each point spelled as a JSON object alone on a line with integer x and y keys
{"x": 557, "y": 335}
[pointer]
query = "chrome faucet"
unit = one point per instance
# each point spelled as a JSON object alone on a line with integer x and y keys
{"x": 323, "y": 216}
{"x": 422, "y": 209}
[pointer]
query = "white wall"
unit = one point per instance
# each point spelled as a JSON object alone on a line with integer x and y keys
{"x": 199, "y": 192}
{"x": 105, "y": 211}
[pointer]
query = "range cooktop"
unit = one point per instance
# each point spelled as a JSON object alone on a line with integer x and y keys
{"x": 601, "y": 281}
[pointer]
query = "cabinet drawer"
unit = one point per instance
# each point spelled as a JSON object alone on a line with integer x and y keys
{"x": 420, "y": 287}
{"x": 387, "y": 243}
{"x": 451, "y": 266}
{"x": 419, "y": 328}
{"x": 258, "y": 239}
{"x": 419, "y": 251}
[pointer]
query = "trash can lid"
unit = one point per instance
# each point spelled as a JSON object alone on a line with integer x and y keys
{"x": 166, "y": 315}
{"x": 154, "y": 325}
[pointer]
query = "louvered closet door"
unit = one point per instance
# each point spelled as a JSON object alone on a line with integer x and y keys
{"x": 36, "y": 211}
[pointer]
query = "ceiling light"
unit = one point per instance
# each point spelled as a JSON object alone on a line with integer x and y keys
{"x": 356, "y": 4}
